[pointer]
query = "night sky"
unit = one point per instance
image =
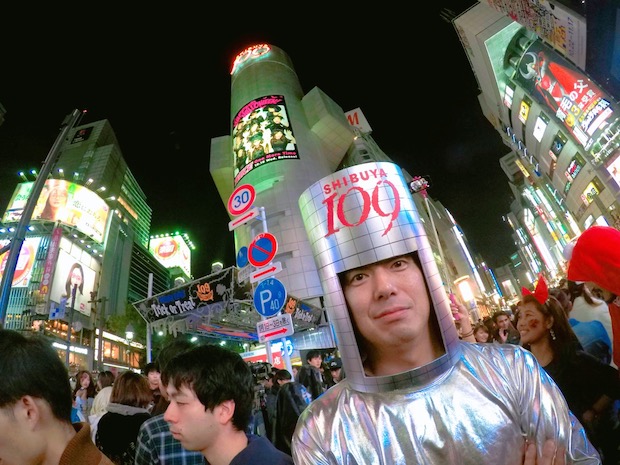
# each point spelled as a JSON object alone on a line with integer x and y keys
{"x": 162, "y": 80}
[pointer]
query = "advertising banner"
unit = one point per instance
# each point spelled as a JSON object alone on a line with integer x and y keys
{"x": 50, "y": 262}
{"x": 25, "y": 261}
{"x": 262, "y": 134}
{"x": 585, "y": 109}
{"x": 564, "y": 29}
{"x": 171, "y": 252}
{"x": 63, "y": 201}
{"x": 217, "y": 304}
{"x": 69, "y": 273}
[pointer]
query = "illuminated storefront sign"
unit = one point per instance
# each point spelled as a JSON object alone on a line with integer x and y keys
{"x": 613, "y": 168}
{"x": 524, "y": 110}
{"x": 249, "y": 53}
{"x": 574, "y": 167}
{"x": 262, "y": 134}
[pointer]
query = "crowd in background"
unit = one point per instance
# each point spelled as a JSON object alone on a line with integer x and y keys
{"x": 569, "y": 331}
{"x": 116, "y": 406}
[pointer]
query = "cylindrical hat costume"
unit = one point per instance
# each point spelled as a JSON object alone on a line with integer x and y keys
{"x": 362, "y": 215}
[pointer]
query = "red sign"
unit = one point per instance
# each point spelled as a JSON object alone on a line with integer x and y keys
{"x": 241, "y": 199}
{"x": 262, "y": 249}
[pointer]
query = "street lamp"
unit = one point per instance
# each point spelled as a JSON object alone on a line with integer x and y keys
{"x": 129, "y": 332}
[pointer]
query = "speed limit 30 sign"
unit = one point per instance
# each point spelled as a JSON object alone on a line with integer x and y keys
{"x": 241, "y": 199}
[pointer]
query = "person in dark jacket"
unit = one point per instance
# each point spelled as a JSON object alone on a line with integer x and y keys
{"x": 291, "y": 400}
{"x": 117, "y": 431}
{"x": 310, "y": 374}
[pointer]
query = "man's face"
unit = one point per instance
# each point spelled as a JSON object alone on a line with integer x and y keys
{"x": 153, "y": 379}
{"x": 389, "y": 303}
{"x": 316, "y": 361}
{"x": 190, "y": 423}
{"x": 503, "y": 322}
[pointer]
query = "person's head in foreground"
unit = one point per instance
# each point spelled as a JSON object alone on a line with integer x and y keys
{"x": 382, "y": 285}
{"x": 594, "y": 258}
{"x": 211, "y": 391}
{"x": 35, "y": 401}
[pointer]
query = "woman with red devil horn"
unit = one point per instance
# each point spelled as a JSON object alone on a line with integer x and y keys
{"x": 589, "y": 385}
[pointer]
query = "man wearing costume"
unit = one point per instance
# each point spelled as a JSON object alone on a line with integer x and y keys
{"x": 414, "y": 392}
{"x": 594, "y": 258}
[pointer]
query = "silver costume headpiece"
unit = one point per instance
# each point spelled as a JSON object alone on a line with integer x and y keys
{"x": 359, "y": 216}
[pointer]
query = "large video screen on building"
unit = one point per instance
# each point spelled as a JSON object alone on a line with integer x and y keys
{"x": 62, "y": 201}
{"x": 584, "y": 109}
{"x": 262, "y": 134}
{"x": 171, "y": 252}
{"x": 25, "y": 261}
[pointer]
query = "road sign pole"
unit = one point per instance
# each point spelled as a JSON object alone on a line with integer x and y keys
{"x": 263, "y": 219}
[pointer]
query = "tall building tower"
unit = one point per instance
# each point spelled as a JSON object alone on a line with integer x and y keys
{"x": 281, "y": 142}
{"x": 87, "y": 244}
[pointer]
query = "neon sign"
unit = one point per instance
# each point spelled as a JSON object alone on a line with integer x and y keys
{"x": 254, "y": 51}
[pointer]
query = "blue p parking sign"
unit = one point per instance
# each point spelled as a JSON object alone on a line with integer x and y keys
{"x": 269, "y": 297}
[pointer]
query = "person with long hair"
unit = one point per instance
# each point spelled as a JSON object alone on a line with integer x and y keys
{"x": 83, "y": 394}
{"x": 482, "y": 333}
{"x": 589, "y": 385}
{"x": 56, "y": 202}
{"x": 75, "y": 278}
{"x": 105, "y": 379}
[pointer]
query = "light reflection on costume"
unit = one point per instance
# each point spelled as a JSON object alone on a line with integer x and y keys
{"x": 475, "y": 404}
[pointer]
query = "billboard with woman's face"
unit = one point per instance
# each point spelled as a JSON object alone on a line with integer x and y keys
{"x": 63, "y": 201}
{"x": 25, "y": 261}
{"x": 72, "y": 273}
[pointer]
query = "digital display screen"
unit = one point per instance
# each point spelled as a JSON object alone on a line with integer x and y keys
{"x": 539, "y": 128}
{"x": 574, "y": 167}
{"x": 524, "y": 111}
{"x": 613, "y": 168}
{"x": 262, "y": 134}
{"x": 64, "y": 201}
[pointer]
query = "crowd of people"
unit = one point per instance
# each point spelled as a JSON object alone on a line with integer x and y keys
{"x": 413, "y": 382}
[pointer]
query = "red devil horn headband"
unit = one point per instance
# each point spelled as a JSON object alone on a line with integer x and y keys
{"x": 541, "y": 293}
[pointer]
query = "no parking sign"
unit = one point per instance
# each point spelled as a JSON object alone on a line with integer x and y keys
{"x": 262, "y": 249}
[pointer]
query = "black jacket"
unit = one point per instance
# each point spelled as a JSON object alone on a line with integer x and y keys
{"x": 117, "y": 432}
{"x": 292, "y": 399}
{"x": 312, "y": 379}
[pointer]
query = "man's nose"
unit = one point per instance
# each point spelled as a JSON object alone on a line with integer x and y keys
{"x": 383, "y": 282}
{"x": 169, "y": 414}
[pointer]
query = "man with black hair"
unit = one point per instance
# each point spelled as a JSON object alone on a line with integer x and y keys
{"x": 35, "y": 407}
{"x": 211, "y": 391}
{"x": 310, "y": 374}
{"x": 155, "y": 444}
